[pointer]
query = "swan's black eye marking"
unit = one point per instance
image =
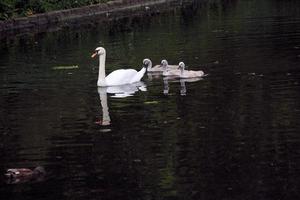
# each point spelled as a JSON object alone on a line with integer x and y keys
{"x": 146, "y": 62}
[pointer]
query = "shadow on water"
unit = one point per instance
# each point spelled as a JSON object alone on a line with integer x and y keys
{"x": 231, "y": 135}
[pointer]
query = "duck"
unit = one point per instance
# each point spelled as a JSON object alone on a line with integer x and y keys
{"x": 21, "y": 175}
{"x": 189, "y": 73}
{"x": 117, "y": 77}
{"x": 157, "y": 68}
{"x": 169, "y": 72}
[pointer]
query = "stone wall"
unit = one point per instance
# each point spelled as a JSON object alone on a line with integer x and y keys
{"x": 112, "y": 9}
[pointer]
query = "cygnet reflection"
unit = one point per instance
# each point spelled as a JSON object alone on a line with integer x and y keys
{"x": 166, "y": 80}
{"x": 120, "y": 91}
{"x": 152, "y": 76}
{"x": 183, "y": 89}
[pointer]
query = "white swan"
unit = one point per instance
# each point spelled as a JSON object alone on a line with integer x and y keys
{"x": 117, "y": 77}
{"x": 157, "y": 68}
{"x": 189, "y": 73}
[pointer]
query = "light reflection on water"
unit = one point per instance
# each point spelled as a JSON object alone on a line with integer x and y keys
{"x": 231, "y": 135}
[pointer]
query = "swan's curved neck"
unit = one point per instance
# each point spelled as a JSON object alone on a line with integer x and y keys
{"x": 181, "y": 70}
{"x": 101, "y": 75}
{"x": 149, "y": 65}
{"x": 165, "y": 67}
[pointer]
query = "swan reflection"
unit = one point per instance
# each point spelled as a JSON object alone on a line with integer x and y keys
{"x": 120, "y": 91}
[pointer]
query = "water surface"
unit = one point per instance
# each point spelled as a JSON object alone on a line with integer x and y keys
{"x": 231, "y": 135}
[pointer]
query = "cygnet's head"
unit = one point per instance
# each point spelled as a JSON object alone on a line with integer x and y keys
{"x": 11, "y": 173}
{"x": 147, "y": 62}
{"x": 164, "y": 63}
{"x": 98, "y": 51}
{"x": 39, "y": 170}
{"x": 181, "y": 65}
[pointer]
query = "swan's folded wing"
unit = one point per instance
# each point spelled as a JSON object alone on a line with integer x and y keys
{"x": 120, "y": 77}
{"x": 172, "y": 67}
{"x": 192, "y": 74}
{"x": 156, "y": 68}
{"x": 172, "y": 72}
{"x": 198, "y": 73}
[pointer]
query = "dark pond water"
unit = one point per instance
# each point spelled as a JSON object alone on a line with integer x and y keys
{"x": 231, "y": 135}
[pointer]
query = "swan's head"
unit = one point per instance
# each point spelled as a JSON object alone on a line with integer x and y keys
{"x": 147, "y": 63}
{"x": 181, "y": 66}
{"x": 98, "y": 51}
{"x": 164, "y": 64}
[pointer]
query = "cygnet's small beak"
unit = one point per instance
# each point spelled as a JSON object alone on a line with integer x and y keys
{"x": 93, "y": 55}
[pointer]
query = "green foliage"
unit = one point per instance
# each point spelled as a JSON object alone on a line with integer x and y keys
{"x": 6, "y": 9}
{"x": 19, "y": 8}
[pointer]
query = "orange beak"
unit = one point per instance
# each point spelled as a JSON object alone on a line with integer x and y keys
{"x": 93, "y": 55}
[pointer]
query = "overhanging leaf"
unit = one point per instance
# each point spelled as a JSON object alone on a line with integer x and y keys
{"x": 150, "y": 102}
{"x": 65, "y": 67}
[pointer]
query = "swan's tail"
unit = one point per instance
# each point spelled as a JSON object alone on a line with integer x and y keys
{"x": 138, "y": 75}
